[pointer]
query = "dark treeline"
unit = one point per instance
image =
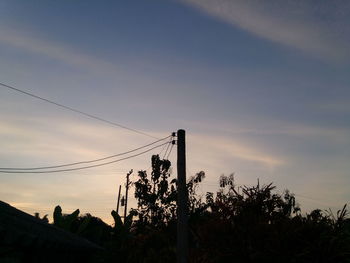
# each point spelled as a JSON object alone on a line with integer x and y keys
{"x": 245, "y": 224}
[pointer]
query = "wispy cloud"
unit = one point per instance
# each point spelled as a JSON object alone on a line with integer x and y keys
{"x": 341, "y": 106}
{"x": 33, "y": 43}
{"x": 275, "y": 127}
{"x": 224, "y": 148}
{"x": 66, "y": 139}
{"x": 292, "y": 23}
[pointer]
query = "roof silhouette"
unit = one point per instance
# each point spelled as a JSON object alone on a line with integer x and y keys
{"x": 21, "y": 230}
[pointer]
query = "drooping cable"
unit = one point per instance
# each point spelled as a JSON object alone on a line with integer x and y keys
{"x": 85, "y": 167}
{"x": 163, "y": 148}
{"x": 171, "y": 148}
{"x": 77, "y": 111}
{"x": 166, "y": 151}
{"x": 83, "y": 162}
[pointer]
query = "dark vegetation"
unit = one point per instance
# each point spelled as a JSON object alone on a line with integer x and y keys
{"x": 246, "y": 224}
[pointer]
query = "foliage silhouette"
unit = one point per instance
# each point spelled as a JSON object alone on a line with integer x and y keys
{"x": 235, "y": 224}
{"x": 44, "y": 218}
{"x": 88, "y": 226}
{"x": 156, "y": 197}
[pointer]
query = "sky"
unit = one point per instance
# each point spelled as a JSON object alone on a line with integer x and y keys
{"x": 261, "y": 88}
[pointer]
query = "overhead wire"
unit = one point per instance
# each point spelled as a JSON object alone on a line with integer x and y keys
{"x": 171, "y": 148}
{"x": 85, "y": 167}
{"x": 77, "y": 111}
{"x": 163, "y": 148}
{"x": 314, "y": 200}
{"x": 84, "y": 162}
{"x": 166, "y": 151}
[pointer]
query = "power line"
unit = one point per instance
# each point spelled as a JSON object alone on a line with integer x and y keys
{"x": 315, "y": 200}
{"x": 85, "y": 167}
{"x": 77, "y": 111}
{"x": 163, "y": 148}
{"x": 83, "y": 162}
{"x": 167, "y": 148}
{"x": 171, "y": 148}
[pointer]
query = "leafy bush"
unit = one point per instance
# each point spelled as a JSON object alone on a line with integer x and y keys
{"x": 236, "y": 224}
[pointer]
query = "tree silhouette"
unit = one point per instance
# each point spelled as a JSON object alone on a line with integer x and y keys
{"x": 156, "y": 196}
{"x": 235, "y": 224}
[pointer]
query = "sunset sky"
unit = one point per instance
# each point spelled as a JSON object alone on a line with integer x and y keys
{"x": 261, "y": 88}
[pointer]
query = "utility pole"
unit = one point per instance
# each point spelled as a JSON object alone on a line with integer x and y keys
{"x": 182, "y": 197}
{"x": 126, "y": 193}
{"x": 120, "y": 187}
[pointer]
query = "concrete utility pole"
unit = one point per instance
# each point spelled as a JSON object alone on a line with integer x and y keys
{"x": 182, "y": 213}
{"x": 126, "y": 193}
{"x": 120, "y": 187}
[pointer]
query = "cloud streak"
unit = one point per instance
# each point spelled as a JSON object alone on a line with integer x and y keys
{"x": 220, "y": 147}
{"x": 30, "y": 43}
{"x": 291, "y": 23}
